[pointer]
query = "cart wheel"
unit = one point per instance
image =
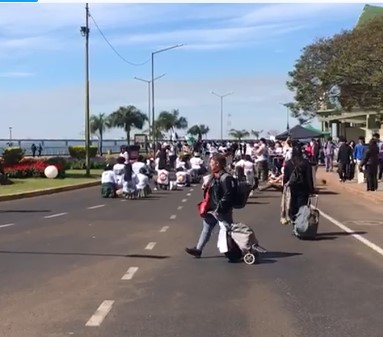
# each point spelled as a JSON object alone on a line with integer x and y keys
{"x": 249, "y": 258}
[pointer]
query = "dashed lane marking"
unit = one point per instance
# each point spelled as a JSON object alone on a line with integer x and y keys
{"x": 7, "y": 225}
{"x": 100, "y": 314}
{"x": 180, "y": 207}
{"x": 184, "y": 200}
{"x": 358, "y": 237}
{"x": 188, "y": 194}
{"x": 191, "y": 190}
{"x": 172, "y": 217}
{"x": 129, "y": 274}
{"x": 55, "y": 215}
{"x": 164, "y": 229}
{"x": 150, "y": 245}
{"x": 95, "y": 207}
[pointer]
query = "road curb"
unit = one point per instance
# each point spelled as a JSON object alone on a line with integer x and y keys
{"x": 344, "y": 187}
{"x": 48, "y": 191}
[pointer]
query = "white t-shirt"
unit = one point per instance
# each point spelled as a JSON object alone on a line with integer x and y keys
{"x": 248, "y": 166}
{"x": 143, "y": 180}
{"x": 126, "y": 156}
{"x": 196, "y": 163}
{"x": 108, "y": 177}
{"x": 137, "y": 166}
{"x": 180, "y": 164}
{"x": 119, "y": 169}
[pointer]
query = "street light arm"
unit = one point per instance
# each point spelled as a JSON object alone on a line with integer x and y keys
{"x": 168, "y": 48}
{"x": 222, "y": 96}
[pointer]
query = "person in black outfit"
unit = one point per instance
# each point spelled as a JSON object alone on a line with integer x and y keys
{"x": 371, "y": 162}
{"x": 345, "y": 160}
{"x": 300, "y": 188}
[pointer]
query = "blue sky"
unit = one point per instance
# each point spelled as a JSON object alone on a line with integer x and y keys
{"x": 244, "y": 48}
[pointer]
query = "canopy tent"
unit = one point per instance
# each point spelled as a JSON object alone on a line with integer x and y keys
{"x": 299, "y": 132}
{"x": 311, "y": 128}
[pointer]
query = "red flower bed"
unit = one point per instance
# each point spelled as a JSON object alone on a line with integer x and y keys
{"x": 28, "y": 168}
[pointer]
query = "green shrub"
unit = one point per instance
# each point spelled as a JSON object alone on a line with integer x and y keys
{"x": 78, "y": 151}
{"x": 61, "y": 161}
{"x": 95, "y": 163}
{"x": 13, "y": 155}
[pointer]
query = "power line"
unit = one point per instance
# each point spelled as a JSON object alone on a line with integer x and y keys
{"x": 114, "y": 49}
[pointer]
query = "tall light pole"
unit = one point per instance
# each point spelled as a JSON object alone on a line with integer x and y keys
{"x": 154, "y": 130}
{"x": 222, "y": 97}
{"x": 85, "y": 33}
{"x": 287, "y": 117}
{"x": 148, "y": 83}
{"x": 10, "y": 133}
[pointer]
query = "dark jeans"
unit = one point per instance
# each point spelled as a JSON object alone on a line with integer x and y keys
{"x": 298, "y": 199}
{"x": 343, "y": 170}
{"x": 372, "y": 177}
{"x": 380, "y": 175}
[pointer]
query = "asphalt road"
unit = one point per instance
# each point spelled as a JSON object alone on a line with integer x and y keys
{"x": 73, "y": 264}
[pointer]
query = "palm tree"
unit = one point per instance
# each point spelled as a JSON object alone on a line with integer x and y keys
{"x": 256, "y": 133}
{"x": 128, "y": 117}
{"x": 239, "y": 134}
{"x": 199, "y": 130}
{"x": 167, "y": 121}
{"x": 98, "y": 125}
{"x": 158, "y": 134}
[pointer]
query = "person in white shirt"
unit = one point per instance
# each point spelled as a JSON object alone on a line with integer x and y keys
{"x": 124, "y": 154}
{"x": 262, "y": 160}
{"x": 108, "y": 182}
{"x": 138, "y": 165}
{"x": 249, "y": 170}
{"x": 196, "y": 162}
{"x": 142, "y": 180}
{"x": 119, "y": 170}
{"x": 129, "y": 185}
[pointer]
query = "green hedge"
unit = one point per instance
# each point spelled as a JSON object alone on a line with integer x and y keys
{"x": 13, "y": 155}
{"x": 78, "y": 151}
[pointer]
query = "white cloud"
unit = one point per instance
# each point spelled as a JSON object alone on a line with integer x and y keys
{"x": 15, "y": 74}
{"x": 254, "y": 104}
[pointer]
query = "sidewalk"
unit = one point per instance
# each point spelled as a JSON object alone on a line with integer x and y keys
{"x": 331, "y": 180}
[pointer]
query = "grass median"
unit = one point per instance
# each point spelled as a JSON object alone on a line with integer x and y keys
{"x": 73, "y": 177}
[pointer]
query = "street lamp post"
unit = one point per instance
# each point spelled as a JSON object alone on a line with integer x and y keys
{"x": 10, "y": 133}
{"x": 154, "y": 130}
{"x": 149, "y": 107}
{"x": 287, "y": 116}
{"x": 221, "y": 98}
{"x": 85, "y": 33}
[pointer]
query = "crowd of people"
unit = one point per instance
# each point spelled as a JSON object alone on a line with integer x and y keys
{"x": 286, "y": 166}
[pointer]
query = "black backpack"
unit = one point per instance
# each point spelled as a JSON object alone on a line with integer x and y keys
{"x": 296, "y": 177}
{"x": 242, "y": 191}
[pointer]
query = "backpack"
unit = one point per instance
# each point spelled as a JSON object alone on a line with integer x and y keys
{"x": 241, "y": 191}
{"x": 296, "y": 177}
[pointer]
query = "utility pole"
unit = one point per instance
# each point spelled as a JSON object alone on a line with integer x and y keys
{"x": 85, "y": 33}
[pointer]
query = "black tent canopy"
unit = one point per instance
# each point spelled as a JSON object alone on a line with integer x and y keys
{"x": 299, "y": 132}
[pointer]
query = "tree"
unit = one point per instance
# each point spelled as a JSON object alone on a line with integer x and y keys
{"x": 98, "y": 125}
{"x": 158, "y": 134}
{"x": 170, "y": 121}
{"x": 273, "y": 133}
{"x": 199, "y": 130}
{"x": 353, "y": 60}
{"x": 239, "y": 134}
{"x": 256, "y": 133}
{"x": 127, "y": 118}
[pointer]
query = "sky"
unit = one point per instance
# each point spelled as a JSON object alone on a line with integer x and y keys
{"x": 246, "y": 49}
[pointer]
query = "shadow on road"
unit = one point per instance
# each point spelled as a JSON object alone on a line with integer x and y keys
{"x": 144, "y": 256}
{"x": 257, "y": 203}
{"x": 26, "y": 211}
{"x": 326, "y": 192}
{"x": 334, "y": 235}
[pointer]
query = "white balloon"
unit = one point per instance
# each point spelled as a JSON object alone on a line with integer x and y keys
{"x": 51, "y": 172}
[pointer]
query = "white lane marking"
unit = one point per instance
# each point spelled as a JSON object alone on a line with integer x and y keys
{"x": 100, "y": 314}
{"x": 180, "y": 207}
{"x": 184, "y": 200}
{"x": 191, "y": 190}
{"x": 150, "y": 245}
{"x": 164, "y": 229}
{"x": 7, "y": 225}
{"x": 129, "y": 274}
{"x": 55, "y": 215}
{"x": 188, "y": 194}
{"x": 360, "y": 238}
{"x": 172, "y": 217}
{"x": 123, "y": 200}
{"x": 97, "y": 206}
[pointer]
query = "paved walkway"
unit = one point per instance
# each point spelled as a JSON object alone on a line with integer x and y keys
{"x": 331, "y": 180}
